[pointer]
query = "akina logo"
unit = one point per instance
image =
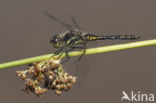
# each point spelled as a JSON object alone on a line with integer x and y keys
{"x": 137, "y": 97}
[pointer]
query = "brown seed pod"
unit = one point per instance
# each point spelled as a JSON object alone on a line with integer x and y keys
{"x": 21, "y": 74}
{"x": 38, "y": 69}
{"x": 55, "y": 71}
{"x": 65, "y": 87}
{"x": 64, "y": 80}
{"x": 54, "y": 63}
{"x": 58, "y": 86}
{"x": 68, "y": 80}
{"x": 36, "y": 82}
{"x": 35, "y": 63}
{"x": 29, "y": 83}
{"x": 39, "y": 91}
{"x": 54, "y": 83}
{"x": 50, "y": 73}
{"x": 40, "y": 77}
{"x": 62, "y": 86}
{"x": 66, "y": 75}
{"x": 69, "y": 85}
{"x": 58, "y": 80}
{"x": 73, "y": 80}
{"x": 51, "y": 79}
{"x": 31, "y": 70}
{"x": 58, "y": 92}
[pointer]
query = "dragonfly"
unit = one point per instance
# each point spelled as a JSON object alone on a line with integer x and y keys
{"x": 74, "y": 38}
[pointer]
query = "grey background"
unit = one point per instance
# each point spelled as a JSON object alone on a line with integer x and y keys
{"x": 25, "y": 32}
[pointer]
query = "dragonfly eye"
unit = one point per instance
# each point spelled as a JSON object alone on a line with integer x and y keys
{"x": 55, "y": 42}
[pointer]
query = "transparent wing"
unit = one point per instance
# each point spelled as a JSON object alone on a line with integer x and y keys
{"x": 80, "y": 69}
{"x": 74, "y": 22}
{"x": 83, "y": 67}
{"x": 68, "y": 26}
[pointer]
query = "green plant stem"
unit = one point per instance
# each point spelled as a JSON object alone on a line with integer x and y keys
{"x": 77, "y": 53}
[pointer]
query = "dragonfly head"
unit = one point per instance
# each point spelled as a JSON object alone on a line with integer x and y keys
{"x": 55, "y": 42}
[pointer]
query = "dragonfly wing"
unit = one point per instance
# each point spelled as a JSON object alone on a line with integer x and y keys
{"x": 83, "y": 67}
{"x": 74, "y": 22}
{"x": 59, "y": 21}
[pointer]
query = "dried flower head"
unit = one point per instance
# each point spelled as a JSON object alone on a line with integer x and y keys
{"x": 49, "y": 73}
{"x": 58, "y": 92}
{"x": 39, "y": 91}
{"x": 21, "y": 74}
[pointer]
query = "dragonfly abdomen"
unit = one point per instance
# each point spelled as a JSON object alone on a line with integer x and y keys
{"x": 92, "y": 37}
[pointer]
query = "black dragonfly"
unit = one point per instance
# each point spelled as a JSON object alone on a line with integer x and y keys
{"x": 75, "y": 38}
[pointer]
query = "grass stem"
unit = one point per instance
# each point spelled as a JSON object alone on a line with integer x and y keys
{"x": 77, "y": 53}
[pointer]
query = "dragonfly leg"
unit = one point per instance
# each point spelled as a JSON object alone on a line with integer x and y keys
{"x": 80, "y": 47}
{"x": 84, "y": 50}
{"x": 67, "y": 55}
{"x": 55, "y": 53}
{"x": 59, "y": 51}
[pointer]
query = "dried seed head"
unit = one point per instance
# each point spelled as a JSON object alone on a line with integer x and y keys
{"x": 58, "y": 92}
{"x": 69, "y": 85}
{"x": 73, "y": 80}
{"x": 35, "y": 63}
{"x": 40, "y": 77}
{"x": 64, "y": 80}
{"x": 62, "y": 86}
{"x": 58, "y": 86}
{"x": 55, "y": 71}
{"x": 21, "y": 74}
{"x": 66, "y": 75}
{"x": 66, "y": 88}
{"x": 70, "y": 77}
{"x": 30, "y": 70}
{"x": 54, "y": 83}
{"x": 50, "y": 73}
{"x": 39, "y": 91}
{"x": 69, "y": 80}
{"x": 54, "y": 63}
{"x": 38, "y": 69}
{"x": 51, "y": 77}
{"x": 36, "y": 82}
{"x": 30, "y": 83}
{"x": 58, "y": 81}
